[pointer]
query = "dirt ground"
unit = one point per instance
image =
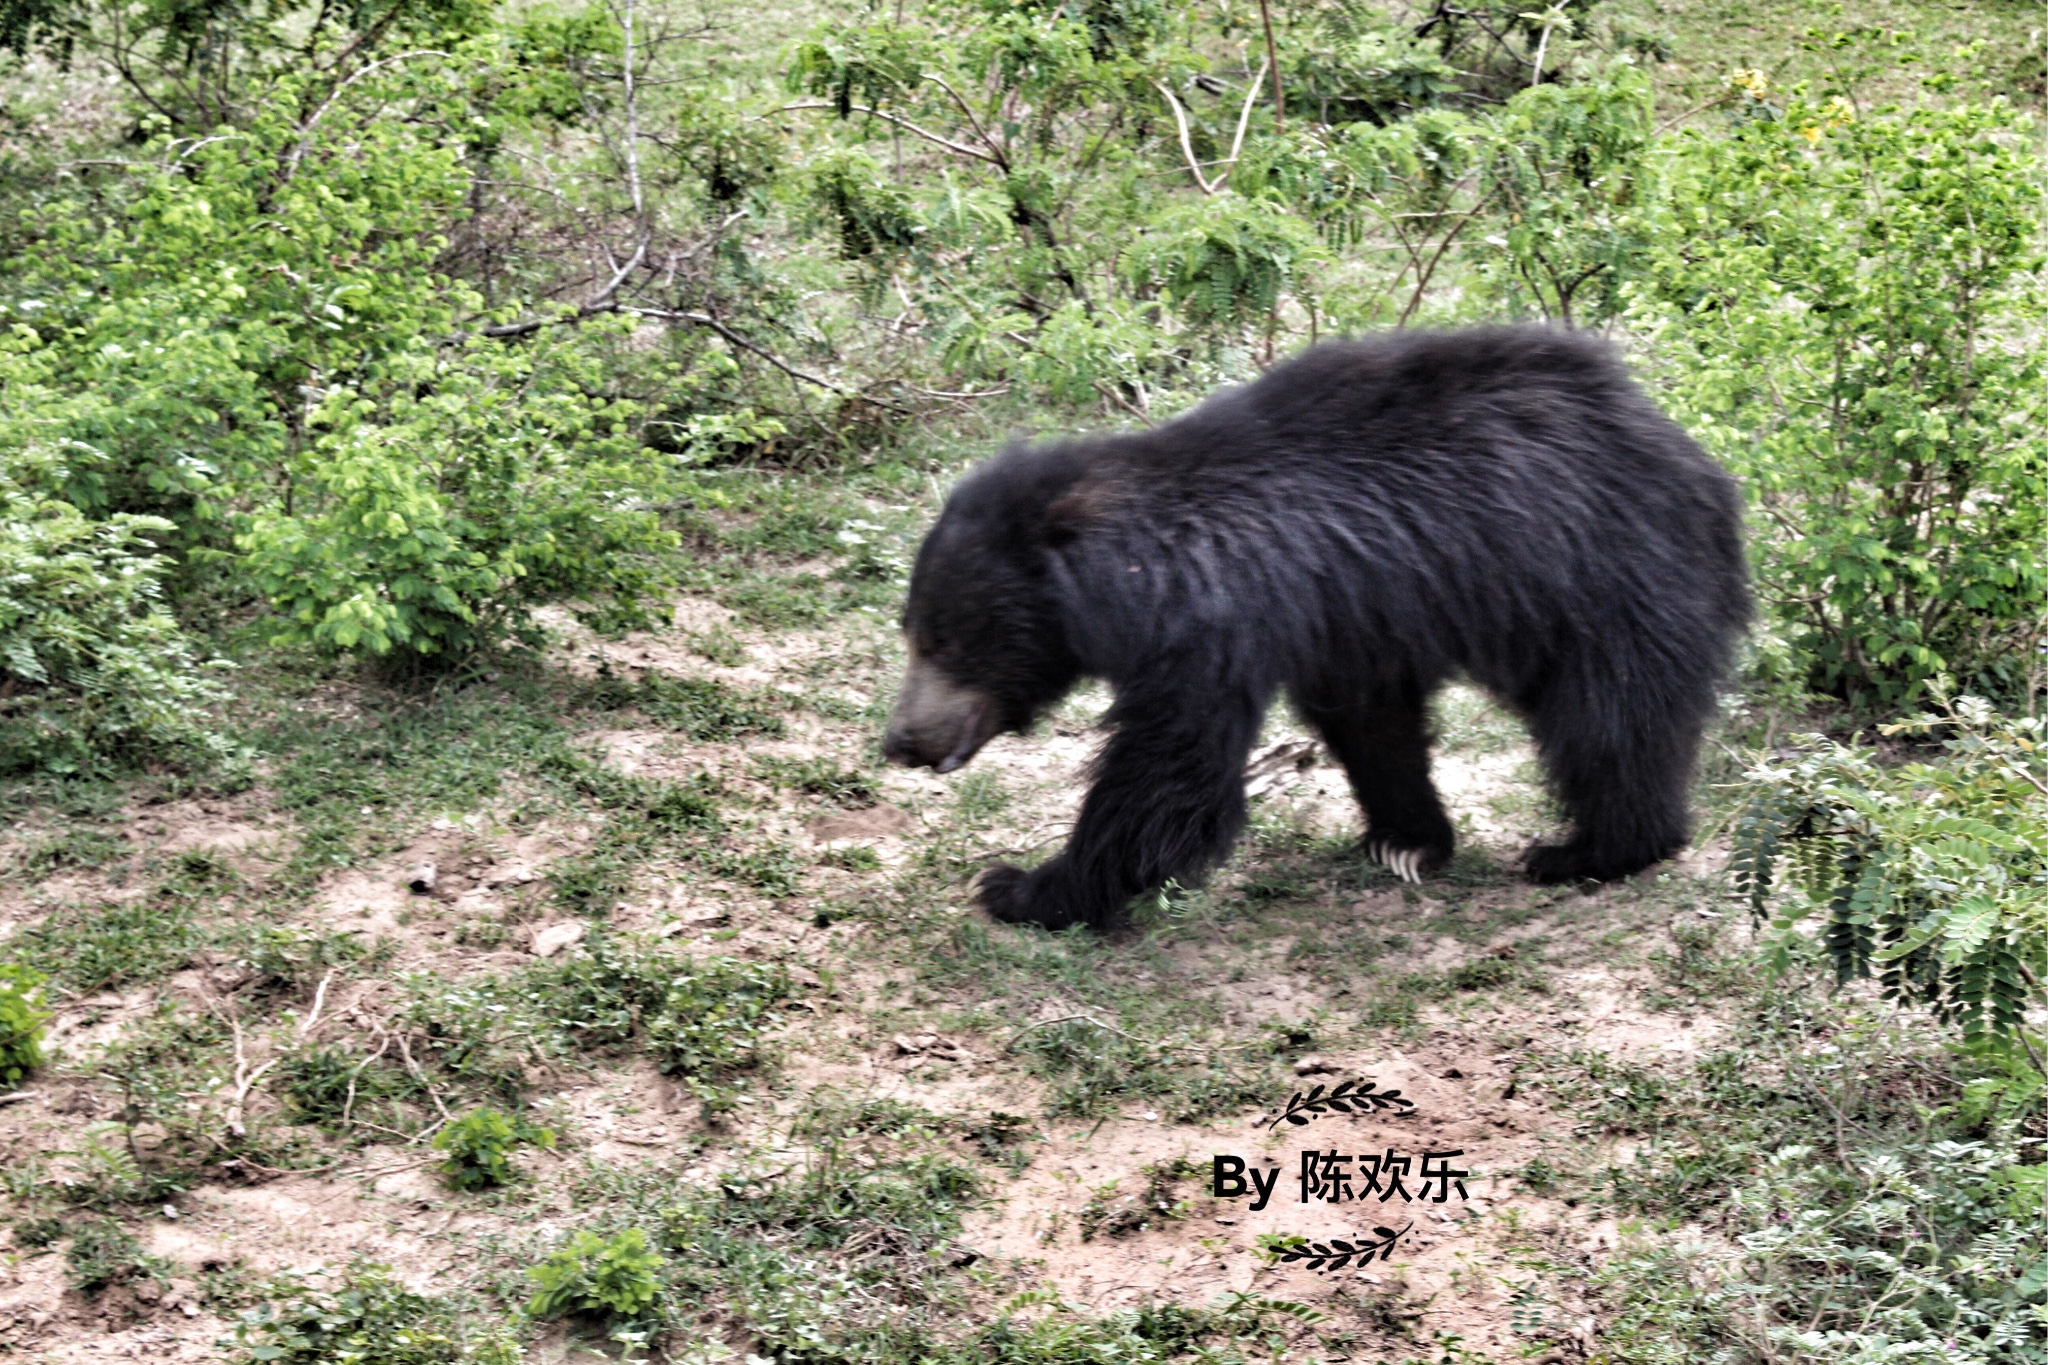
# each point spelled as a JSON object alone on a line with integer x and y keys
{"x": 1111, "y": 1213}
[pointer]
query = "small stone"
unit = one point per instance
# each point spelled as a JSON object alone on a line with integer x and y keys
{"x": 1313, "y": 1066}
{"x": 421, "y": 882}
{"x": 551, "y": 940}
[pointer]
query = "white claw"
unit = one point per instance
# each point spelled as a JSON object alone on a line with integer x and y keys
{"x": 1409, "y": 857}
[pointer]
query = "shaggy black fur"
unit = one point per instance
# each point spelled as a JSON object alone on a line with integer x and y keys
{"x": 1356, "y": 527}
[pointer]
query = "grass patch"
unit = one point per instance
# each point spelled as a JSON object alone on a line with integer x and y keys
{"x": 701, "y": 709}
{"x": 126, "y": 944}
{"x": 819, "y": 777}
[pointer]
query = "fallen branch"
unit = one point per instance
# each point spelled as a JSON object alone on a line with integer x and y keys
{"x": 245, "y": 1081}
{"x": 312, "y": 1020}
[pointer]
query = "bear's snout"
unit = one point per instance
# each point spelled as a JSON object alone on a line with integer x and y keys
{"x": 937, "y": 722}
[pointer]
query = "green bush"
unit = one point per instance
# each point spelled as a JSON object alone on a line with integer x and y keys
{"x": 1931, "y": 876}
{"x": 22, "y": 1018}
{"x": 93, "y": 668}
{"x": 433, "y": 515}
{"x": 1568, "y": 170}
{"x": 620, "y": 1276}
{"x": 1844, "y": 307}
{"x": 276, "y": 366}
{"x": 480, "y": 1146}
{"x": 1226, "y": 260}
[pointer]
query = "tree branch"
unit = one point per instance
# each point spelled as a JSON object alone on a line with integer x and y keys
{"x": 910, "y": 127}
{"x": 707, "y": 321}
{"x": 291, "y": 164}
{"x": 1187, "y": 147}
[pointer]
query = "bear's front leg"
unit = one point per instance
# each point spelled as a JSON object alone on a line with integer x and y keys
{"x": 1167, "y": 804}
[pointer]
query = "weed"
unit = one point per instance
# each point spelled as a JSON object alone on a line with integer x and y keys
{"x": 853, "y": 858}
{"x": 772, "y": 868}
{"x": 327, "y": 1087}
{"x": 620, "y": 1276}
{"x": 480, "y": 1147}
{"x": 103, "y": 1253}
{"x": 606, "y": 993}
{"x": 1095, "y": 1068}
{"x": 1109, "y": 1215}
{"x": 1537, "y": 1175}
{"x": 370, "y": 1319}
{"x": 712, "y": 1017}
{"x": 979, "y": 797}
{"x": 1696, "y": 969}
{"x": 701, "y": 709}
{"x": 122, "y": 944}
{"x": 820, "y": 777}
{"x": 349, "y": 781}
{"x": 780, "y": 601}
{"x": 1468, "y": 721}
{"x": 1001, "y": 1137}
{"x": 1505, "y": 966}
{"x": 483, "y": 1031}
{"x": 286, "y": 957}
{"x": 34, "y": 1234}
{"x": 720, "y": 647}
{"x": 22, "y": 1018}
{"x": 829, "y": 1113}
{"x": 76, "y": 847}
{"x": 587, "y": 886}
{"x": 1392, "y": 1009}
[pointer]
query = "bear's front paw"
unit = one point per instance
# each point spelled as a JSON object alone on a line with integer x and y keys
{"x": 1005, "y": 893}
{"x": 1411, "y": 862}
{"x": 1000, "y": 891}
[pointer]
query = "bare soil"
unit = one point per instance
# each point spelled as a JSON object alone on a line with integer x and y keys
{"x": 1454, "y": 1267}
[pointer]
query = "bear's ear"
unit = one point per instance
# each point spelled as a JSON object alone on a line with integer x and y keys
{"x": 1073, "y": 511}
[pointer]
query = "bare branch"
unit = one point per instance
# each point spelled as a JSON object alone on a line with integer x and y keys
{"x": 706, "y": 320}
{"x": 1187, "y": 146}
{"x": 1251, "y": 96}
{"x": 908, "y": 127}
{"x": 972, "y": 120}
{"x": 1273, "y": 60}
{"x": 312, "y": 1019}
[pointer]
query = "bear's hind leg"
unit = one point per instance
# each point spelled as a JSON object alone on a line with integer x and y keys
{"x": 1383, "y": 744}
{"x": 1620, "y": 764}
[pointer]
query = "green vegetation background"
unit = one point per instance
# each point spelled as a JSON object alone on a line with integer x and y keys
{"x": 341, "y": 342}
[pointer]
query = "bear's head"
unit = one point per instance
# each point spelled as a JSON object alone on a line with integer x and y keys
{"x": 984, "y": 623}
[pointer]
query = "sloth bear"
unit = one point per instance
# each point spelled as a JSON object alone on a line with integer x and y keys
{"x": 1357, "y": 526}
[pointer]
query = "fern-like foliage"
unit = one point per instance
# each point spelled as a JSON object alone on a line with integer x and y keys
{"x": 1933, "y": 876}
